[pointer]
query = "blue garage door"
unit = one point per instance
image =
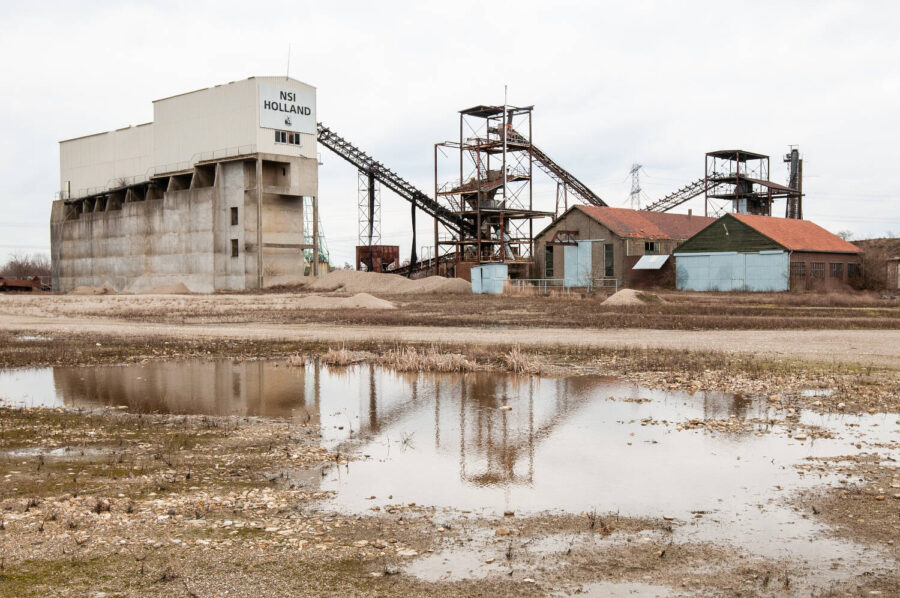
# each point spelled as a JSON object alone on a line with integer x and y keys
{"x": 731, "y": 271}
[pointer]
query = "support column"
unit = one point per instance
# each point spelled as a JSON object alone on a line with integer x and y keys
{"x": 259, "y": 228}
{"x": 435, "y": 257}
{"x": 315, "y": 226}
{"x": 371, "y": 178}
{"x": 413, "y": 258}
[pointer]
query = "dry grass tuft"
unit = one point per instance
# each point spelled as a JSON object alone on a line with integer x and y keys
{"x": 521, "y": 363}
{"x": 529, "y": 290}
{"x": 410, "y": 359}
{"x": 338, "y": 357}
{"x": 298, "y": 360}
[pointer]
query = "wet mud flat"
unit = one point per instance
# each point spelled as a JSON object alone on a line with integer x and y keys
{"x": 258, "y": 477}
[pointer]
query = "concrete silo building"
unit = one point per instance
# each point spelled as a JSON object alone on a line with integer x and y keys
{"x": 218, "y": 192}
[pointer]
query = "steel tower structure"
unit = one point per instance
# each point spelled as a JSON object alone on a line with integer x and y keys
{"x": 490, "y": 172}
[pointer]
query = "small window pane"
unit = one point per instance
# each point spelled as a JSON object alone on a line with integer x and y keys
{"x": 608, "y": 253}
{"x": 234, "y": 248}
{"x": 234, "y": 216}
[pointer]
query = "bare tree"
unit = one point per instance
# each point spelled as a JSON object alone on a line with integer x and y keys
{"x": 24, "y": 265}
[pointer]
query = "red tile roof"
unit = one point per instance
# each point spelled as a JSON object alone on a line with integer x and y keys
{"x": 797, "y": 235}
{"x": 648, "y": 225}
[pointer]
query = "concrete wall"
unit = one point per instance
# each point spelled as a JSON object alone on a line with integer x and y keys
{"x": 140, "y": 246}
{"x": 732, "y": 271}
{"x": 134, "y": 244}
{"x": 230, "y": 271}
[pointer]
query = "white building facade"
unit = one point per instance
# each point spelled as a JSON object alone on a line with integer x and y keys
{"x": 213, "y": 194}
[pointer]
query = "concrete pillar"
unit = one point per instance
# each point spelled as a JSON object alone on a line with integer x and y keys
{"x": 259, "y": 227}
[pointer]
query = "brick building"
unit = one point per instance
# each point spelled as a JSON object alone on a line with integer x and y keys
{"x": 604, "y": 242}
{"x": 759, "y": 253}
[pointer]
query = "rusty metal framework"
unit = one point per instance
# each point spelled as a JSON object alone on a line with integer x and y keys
{"x": 487, "y": 183}
{"x": 564, "y": 237}
{"x": 739, "y": 180}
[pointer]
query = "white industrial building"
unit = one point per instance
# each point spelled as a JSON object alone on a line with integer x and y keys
{"x": 218, "y": 192}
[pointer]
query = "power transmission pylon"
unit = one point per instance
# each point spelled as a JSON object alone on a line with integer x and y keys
{"x": 636, "y": 186}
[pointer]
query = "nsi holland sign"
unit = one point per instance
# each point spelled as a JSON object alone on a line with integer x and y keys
{"x": 287, "y": 109}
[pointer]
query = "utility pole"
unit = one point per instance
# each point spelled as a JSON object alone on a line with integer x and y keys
{"x": 636, "y": 186}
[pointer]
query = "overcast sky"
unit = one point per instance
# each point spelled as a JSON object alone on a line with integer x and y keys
{"x": 659, "y": 83}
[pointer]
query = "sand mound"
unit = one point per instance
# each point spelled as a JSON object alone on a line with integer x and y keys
{"x": 167, "y": 289}
{"x": 89, "y": 290}
{"x": 358, "y": 301}
{"x": 439, "y": 284}
{"x": 351, "y": 281}
{"x": 365, "y": 301}
{"x": 632, "y": 297}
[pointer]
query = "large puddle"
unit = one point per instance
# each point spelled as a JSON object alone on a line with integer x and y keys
{"x": 489, "y": 443}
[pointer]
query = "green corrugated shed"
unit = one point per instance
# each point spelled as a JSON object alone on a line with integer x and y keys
{"x": 728, "y": 234}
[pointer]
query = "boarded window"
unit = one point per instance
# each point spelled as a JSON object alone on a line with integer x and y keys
{"x": 817, "y": 270}
{"x": 836, "y": 270}
{"x": 608, "y": 254}
{"x": 798, "y": 270}
{"x": 548, "y": 261}
{"x": 234, "y": 248}
{"x": 234, "y": 216}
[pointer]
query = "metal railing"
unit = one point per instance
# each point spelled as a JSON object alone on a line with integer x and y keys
{"x": 604, "y": 283}
{"x": 545, "y": 285}
{"x": 542, "y": 285}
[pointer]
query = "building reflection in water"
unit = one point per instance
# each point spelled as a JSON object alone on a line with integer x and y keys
{"x": 492, "y": 422}
{"x": 218, "y": 387}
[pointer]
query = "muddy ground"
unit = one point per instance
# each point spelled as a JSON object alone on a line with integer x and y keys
{"x": 121, "y": 504}
{"x": 866, "y": 332}
{"x": 112, "y": 503}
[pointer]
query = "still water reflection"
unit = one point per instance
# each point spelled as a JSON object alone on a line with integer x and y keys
{"x": 488, "y": 442}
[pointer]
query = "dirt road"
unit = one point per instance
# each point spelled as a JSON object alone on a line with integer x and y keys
{"x": 876, "y": 347}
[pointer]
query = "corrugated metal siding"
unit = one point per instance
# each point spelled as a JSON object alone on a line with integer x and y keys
{"x": 475, "y": 273}
{"x": 491, "y": 278}
{"x": 570, "y": 267}
{"x": 578, "y": 264}
{"x": 728, "y": 234}
{"x": 764, "y": 271}
{"x": 585, "y": 263}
